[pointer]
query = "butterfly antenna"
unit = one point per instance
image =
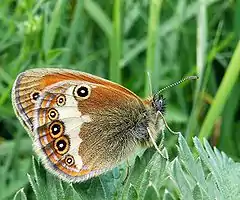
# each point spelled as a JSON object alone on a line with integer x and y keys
{"x": 177, "y": 83}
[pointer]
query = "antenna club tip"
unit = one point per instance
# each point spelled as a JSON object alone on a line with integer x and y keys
{"x": 193, "y": 77}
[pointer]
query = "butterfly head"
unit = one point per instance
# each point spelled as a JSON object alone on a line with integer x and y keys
{"x": 159, "y": 103}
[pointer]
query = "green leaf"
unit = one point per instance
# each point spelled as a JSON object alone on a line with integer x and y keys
{"x": 132, "y": 193}
{"x": 193, "y": 166}
{"x": 144, "y": 183}
{"x": 167, "y": 195}
{"x": 56, "y": 191}
{"x": 221, "y": 180}
{"x": 71, "y": 194}
{"x": 20, "y": 195}
{"x": 151, "y": 193}
{"x": 181, "y": 180}
{"x": 197, "y": 194}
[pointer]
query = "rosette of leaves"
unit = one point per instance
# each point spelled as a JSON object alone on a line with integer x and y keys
{"x": 205, "y": 174}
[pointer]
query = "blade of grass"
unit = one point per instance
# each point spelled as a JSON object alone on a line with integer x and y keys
{"x": 116, "y": 43}
{"x": 153, "y": 27}
{"x": 237, "y": 19}
{"x": 50, "y": 30}
{"x": 98, "y": 15}
{"x": 229, "y": 79}
{"x": 201, "y": 61}
{"x": 76, "y": 27}
{"x": 226, "y": 143}
{"x": 201, "y": 40}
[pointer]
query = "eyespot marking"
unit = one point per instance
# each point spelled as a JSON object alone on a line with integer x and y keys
{"x": 69, "y": 160}
{"x": 56, "y": 129}
{"x": 62, "y": 145}
{"x": 34, "y": 96}
{"x": 82, "y": 91}
{"x": 53, "y": 114}
{"x": 61, "y": 100}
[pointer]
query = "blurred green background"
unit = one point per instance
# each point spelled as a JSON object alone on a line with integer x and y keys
{"x": 121, "y": 41}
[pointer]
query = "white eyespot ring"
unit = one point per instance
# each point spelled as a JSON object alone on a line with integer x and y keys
{"x": 69, "y": 160}
{"x": 61, "y": 100}
{"x": 56, "y": 129}
{"x": 53, "y": 114}
{"x": 82, "y": 91}
{"x": 62, "y": 145}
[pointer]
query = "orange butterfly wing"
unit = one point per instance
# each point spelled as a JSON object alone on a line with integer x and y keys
{"x": 94, "y": 131}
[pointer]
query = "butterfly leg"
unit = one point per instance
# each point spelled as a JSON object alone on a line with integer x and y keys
{"x": 154, "y": 143}
{"x": 165, "y": 123}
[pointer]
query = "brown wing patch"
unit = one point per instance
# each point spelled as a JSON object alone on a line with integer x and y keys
{"x": 107, "y": 139}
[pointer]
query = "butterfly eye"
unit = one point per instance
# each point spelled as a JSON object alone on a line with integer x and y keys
{"x": 61, "y": 145}
{"x": 56, "y": 129}
{"x": 53, "y": 114}
{"x": 34, "y": 96}
{"x": 61, "y": 100}
{"x": 69, "y": 160}
{"x": 82, "y": 91}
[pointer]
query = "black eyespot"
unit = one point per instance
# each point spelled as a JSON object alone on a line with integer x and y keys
{"x": 56, "y": 129}
{"x": 61, "y": 100}
{"x": 69, "y": 160}
{"x": 82, "y": 91}
{"x": 52, "y": 114}
{"x": 35, "y": 95}
{"x": 61, "y": 145}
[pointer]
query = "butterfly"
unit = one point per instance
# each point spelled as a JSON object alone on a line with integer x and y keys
{"x": 83, "y": 125}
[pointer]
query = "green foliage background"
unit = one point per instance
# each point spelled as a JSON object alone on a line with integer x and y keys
{"x": 122, "y": 40}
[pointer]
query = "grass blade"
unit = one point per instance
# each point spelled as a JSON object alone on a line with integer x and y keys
{"x": 98, "y": 15}
{"x": 153, "y": 28}
{"x": 229, "y": 79}
{"x": 76, "y": 26}
{"x": 51, "y": 28}
{"x": 116, "y": 43}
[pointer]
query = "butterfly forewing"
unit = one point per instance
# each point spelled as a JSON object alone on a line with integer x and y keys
{"x": 82, "y": 125}
{"x": 29, "y": 85}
